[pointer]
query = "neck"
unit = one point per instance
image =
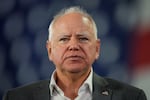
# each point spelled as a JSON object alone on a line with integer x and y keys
{"x": 71, "y": 82}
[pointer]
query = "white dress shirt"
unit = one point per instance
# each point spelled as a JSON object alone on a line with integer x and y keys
{"x": 84, "y": 93}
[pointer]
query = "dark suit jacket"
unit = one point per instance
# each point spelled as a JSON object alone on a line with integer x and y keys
{"x": 103, "y": 89}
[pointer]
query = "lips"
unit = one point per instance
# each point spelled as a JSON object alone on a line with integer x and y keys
{"x": 74, "y": 57}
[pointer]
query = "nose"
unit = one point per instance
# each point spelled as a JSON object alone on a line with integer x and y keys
{"x": 74, "y": 45}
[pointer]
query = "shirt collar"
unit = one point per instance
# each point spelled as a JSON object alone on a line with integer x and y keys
{"x": 89, "y": 81}
{"x": 53, "y": 86}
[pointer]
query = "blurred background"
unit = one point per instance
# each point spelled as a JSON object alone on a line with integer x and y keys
{"x": 123, "y": 27}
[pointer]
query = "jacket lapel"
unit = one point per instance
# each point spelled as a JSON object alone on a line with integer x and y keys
{"x": 42, "y": 92}
{"x": 101, "y": 90}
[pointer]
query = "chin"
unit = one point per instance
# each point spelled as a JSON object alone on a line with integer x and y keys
{"x": 76, "y": 70}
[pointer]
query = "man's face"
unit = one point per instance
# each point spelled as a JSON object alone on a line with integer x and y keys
{"x": 73, "y": 46}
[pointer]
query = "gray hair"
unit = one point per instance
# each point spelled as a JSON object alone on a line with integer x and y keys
{"x": 75, "y": 9}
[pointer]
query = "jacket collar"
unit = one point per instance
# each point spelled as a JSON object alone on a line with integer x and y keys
{"x": 42, "y": 91}
{"x": 100, "y": 88}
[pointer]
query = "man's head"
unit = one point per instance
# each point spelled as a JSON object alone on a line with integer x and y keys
{"x": 73, "y": 45}
{"x": 72, "y": 10}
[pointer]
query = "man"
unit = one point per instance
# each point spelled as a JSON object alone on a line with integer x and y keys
{"x": 73, "y": 47}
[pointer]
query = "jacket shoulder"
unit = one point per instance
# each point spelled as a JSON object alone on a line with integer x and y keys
{"x": 128, "y": 92}
{"x": 31, "y": 86}
{"x": 117, "y": 85}
{"x": 25, "y": 92}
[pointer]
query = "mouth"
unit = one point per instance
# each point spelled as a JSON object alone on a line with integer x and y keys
{"x": 74, "y": 58}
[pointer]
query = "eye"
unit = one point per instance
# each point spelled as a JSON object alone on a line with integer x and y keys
{"x": 63, "y": 39}
{"x": 83, "y": 39}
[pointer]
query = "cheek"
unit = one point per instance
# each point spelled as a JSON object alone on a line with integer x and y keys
{"x": 92, "y": 52}
{"x": 56, "y": 54}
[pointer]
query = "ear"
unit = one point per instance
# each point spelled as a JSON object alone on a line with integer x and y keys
{"x": 48, "y": 46}
{"x": 98, "y": 44}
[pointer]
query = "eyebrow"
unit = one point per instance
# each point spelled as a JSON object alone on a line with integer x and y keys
{"x": 65, "y": 35}
{"x": 78, "y": 34}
